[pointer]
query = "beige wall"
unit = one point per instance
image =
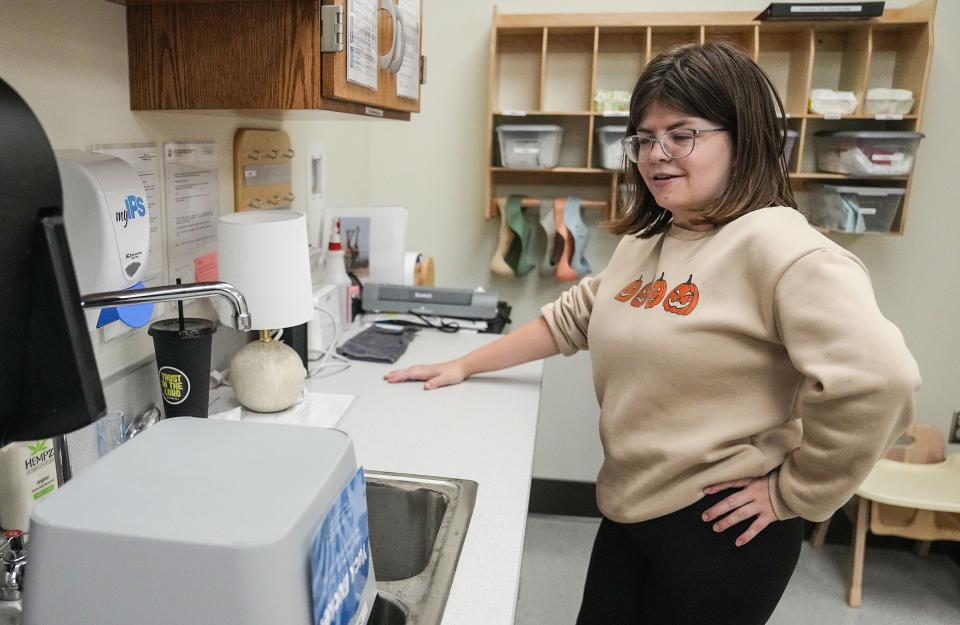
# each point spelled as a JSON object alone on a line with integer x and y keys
{"x": 67, "y": 58}
{"x": 435, "y": 165}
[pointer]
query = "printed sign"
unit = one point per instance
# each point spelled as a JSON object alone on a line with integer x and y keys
{"x": 340, "y": 557}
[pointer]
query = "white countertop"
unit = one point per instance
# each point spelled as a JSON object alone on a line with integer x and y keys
{"x": 481, "y": 430}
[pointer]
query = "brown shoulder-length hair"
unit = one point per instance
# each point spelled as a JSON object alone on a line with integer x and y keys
{"x": 720, "y": 83}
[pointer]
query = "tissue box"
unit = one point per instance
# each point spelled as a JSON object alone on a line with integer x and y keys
{"x": 205, "y": 521}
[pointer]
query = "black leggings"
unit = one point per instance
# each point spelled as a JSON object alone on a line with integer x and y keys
{"x": 675, "y": 570}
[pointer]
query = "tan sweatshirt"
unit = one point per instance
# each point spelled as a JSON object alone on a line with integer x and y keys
{"x": 753, "y": 348}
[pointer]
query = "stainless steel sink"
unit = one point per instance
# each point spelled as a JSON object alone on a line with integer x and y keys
{"x": 417, "y": 527}
{"x": 387, "y": 610}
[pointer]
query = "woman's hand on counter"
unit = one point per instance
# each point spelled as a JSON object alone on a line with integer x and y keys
{"x": 433, "y": 376}
{"x": 531, "y": 341}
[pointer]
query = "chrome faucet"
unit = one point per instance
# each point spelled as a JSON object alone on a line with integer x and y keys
{"x": 198, "y": 290}
{"x": 12, "y": 563}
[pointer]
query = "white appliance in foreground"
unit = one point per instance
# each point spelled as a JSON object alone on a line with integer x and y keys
{"x": 207, "y": 521}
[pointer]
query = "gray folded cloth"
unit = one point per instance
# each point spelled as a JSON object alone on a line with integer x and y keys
{"x": 377, "y": 344}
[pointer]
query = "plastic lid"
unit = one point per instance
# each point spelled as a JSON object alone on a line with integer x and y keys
{"x": 192, "y": 328}
{"x": 529, "y": 128}
{"x": 880, "y": 93}
{"x": 871, "y": 191}
{"x": 871, "y": 134}
{"x": 620, "y": 130}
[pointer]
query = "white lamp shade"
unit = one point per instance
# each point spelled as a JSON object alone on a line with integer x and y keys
{"x": 264, "y": 254}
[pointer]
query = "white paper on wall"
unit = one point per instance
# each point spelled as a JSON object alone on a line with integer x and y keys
{"x": 192, "y": 203}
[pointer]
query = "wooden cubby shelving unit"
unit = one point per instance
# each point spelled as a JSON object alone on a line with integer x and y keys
{"x": 545, "y": 68}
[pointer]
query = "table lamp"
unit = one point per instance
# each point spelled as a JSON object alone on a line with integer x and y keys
{"x": 264, "y": 254}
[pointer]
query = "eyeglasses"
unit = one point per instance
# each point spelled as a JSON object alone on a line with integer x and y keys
{"x": 677, "y": 143}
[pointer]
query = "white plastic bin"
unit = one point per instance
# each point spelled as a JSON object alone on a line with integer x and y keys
{"x": 789, "y": 142}
{"x": 855, "y": 209}
{"x": 889, "y": 101}
{"x": 831, "y": 102}
{"x": 529, "y": 146}
{"x": 611, "y": 151}
{"x": 867, "y": 152}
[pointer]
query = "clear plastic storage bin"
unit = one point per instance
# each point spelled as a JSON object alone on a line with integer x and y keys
{"x": 854, "y": 209}
{"x": 788, "y": 143}
{"x": 867, "y": 152}
{"x": 529, "y": 146}
{"x": 611, "y": 151}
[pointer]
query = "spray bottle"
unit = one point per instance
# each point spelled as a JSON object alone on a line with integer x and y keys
{"x": 335, "y": 273}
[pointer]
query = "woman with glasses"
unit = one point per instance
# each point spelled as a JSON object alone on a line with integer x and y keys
{"x": 746, "y": 377}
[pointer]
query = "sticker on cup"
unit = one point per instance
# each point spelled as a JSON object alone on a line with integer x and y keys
{"x": 174, "y": 385}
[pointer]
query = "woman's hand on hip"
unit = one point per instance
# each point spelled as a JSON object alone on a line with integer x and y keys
{"x": 433, "y": 376}
{"x": 753, "y": 500}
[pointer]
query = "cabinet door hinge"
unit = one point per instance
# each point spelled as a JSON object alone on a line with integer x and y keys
{"x": 331, "y": 28}
{"x": 423, "y": 69}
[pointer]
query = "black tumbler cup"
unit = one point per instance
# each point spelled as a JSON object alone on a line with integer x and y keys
{"x": 183, "y": 361}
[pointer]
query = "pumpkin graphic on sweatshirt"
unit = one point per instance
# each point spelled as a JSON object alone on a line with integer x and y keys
{"x": 656, "y": 290}
{"x": 629, "y": 291}
{"x": 683, "y": 298}
{"x": 641, "y": 297}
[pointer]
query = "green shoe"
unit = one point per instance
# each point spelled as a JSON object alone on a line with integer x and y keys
{"x": 518, "y": 255}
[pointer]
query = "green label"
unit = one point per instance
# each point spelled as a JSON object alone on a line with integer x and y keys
{"x": 41, "y": 493}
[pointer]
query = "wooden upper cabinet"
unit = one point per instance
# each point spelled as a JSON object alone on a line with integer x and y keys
{"x": 263, "y": 54}
{"x": 334, "y": 81}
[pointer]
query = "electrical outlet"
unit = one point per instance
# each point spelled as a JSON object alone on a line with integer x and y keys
{"x": 955, "y": 428}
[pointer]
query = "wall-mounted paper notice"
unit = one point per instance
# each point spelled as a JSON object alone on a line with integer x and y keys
{"x": 408, "y": 78}
{"x": 193, "y": 204}
{"x": 206, "y": 268}
{"x": 362, "y": 60}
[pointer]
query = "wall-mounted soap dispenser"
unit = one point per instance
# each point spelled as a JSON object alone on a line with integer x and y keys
{"x": 107, "y": 218}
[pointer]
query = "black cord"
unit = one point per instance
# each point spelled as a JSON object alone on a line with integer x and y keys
{"x": 445, "y": 326}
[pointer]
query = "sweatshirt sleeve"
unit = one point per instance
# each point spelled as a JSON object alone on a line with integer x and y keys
{"x": 856, "y": 394}
{"x": 569, "y": 315}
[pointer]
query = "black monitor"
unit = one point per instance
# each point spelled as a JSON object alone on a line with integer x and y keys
{"x": 49, "y": 383}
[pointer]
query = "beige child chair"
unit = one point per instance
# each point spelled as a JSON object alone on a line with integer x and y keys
{"x": 912, "y": 492}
